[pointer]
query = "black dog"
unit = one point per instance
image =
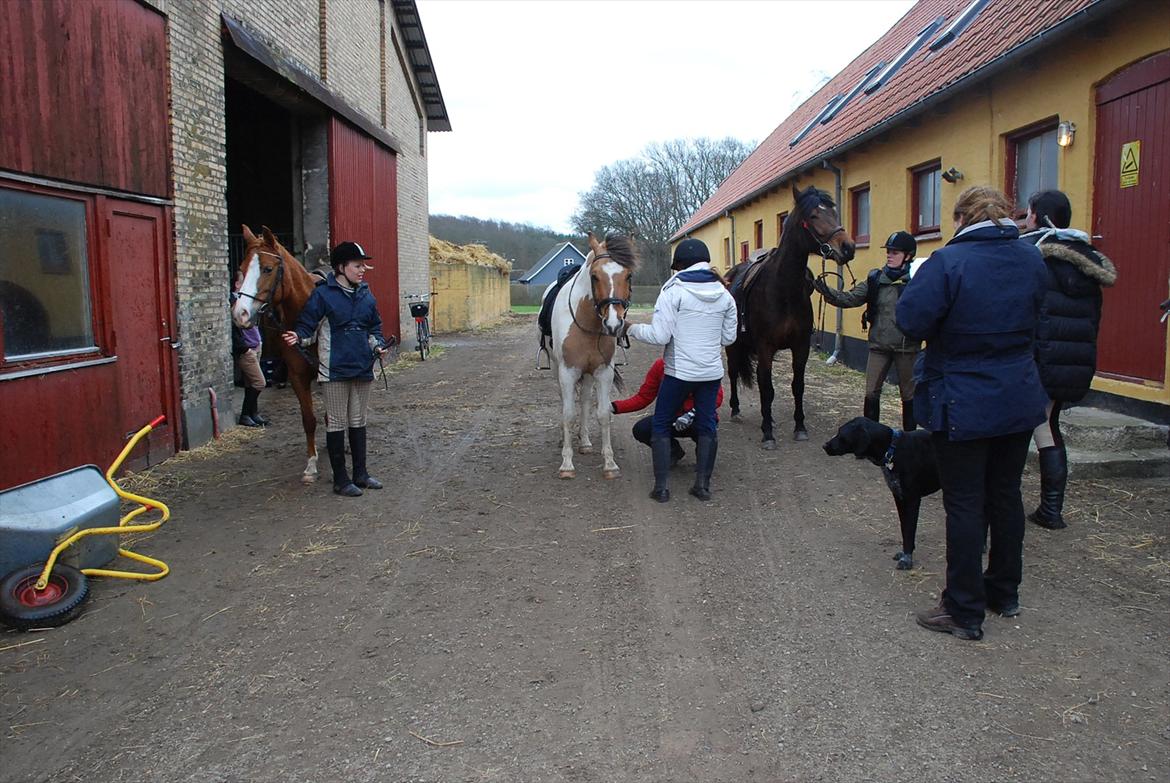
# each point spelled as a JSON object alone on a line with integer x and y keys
{"x": 908, "y": 465}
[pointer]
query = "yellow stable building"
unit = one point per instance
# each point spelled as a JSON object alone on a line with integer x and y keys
{"x": 1024, "y": 95}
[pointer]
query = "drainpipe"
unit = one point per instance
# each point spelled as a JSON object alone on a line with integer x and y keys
{"x": 839, "y": 338}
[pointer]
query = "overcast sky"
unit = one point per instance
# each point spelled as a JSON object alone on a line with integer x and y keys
{"x": 543, "y": 93}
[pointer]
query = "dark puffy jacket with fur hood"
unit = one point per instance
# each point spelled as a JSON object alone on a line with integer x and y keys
{"x": 1066, "y": 335}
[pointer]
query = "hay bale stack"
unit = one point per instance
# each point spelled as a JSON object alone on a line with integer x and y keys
{"x": 443, "y": 252}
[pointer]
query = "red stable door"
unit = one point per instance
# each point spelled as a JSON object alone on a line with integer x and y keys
{"x": 145, "y": 339}
{"x": 1131, "y": 217}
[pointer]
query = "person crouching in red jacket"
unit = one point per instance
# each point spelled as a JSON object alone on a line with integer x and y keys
{"x": 646, "y": 395}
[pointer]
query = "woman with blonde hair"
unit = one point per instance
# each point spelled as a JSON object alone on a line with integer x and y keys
{"x": 976, "y": 303}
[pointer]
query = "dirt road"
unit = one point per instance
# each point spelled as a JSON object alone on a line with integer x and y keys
{"x": 481, "y": 620}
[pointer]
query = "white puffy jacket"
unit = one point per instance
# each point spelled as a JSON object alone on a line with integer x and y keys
{"x": 694, "y": 317}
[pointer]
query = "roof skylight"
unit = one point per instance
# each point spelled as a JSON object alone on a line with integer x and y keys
{"x": 961, "y": 23}
{"x": 830, "y": 106}
{"x": 852, "y": 93}
{"x": 902, "y": 58}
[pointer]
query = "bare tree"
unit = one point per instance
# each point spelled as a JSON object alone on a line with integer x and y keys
{"x": 653, "y": 194}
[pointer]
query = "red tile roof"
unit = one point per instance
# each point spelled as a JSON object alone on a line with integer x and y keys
{"x": 1002, "y": 28}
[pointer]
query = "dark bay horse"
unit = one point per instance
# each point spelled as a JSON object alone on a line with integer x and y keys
{"x": 776, "y": 308}
{"x": 273, "y": 289}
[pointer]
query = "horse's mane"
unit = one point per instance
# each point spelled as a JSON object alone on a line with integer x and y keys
{"x": 621, "y": 249}
{"x": 811, "y": 198}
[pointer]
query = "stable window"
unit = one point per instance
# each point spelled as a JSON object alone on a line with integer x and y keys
{"x": 759, "y": 227}
{"x": 926, "y": 183}
{"x": 743, "y": 251}
{"x": 46, "y": 288}
{"x": 1032, "y": 162}
{"x": 727, "y": 252}
{"x": 781, "y": 219}
{"x": 859, "y": 211}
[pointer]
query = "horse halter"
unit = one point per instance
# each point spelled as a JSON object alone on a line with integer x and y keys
{"x": 824, "y": 248}
{"x": 265, "y": 304}
{"x": 600, "y": 303}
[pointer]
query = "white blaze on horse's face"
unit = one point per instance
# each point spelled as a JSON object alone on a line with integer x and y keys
{"x": 242, "y": 310}
{"x": 608, "y": 278}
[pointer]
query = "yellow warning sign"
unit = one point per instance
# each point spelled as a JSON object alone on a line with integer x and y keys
{"x": 1131, "y": 162}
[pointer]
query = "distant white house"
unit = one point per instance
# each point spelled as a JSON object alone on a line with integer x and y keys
{"x": 545, "y": 270}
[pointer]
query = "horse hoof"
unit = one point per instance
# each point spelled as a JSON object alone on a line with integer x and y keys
{"x": 567, "y": 474}
{"x": 800, "y": 435}
{"x": 612, "y": 474}
{"x": 769, "y": 445}
{"x": 308, "y": 478}
{"x": 585, "y": 450}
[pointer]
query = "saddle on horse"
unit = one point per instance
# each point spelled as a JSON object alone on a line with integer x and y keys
{"x": 742, "y": 283}
{"x": 544, "y": 320}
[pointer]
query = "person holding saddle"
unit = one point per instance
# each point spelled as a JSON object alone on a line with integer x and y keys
{"x": 694, "y": 317}
{"x": 347, "y": 345}
{"x": 1066, "y": 336}
{"x": 879, "y": 292}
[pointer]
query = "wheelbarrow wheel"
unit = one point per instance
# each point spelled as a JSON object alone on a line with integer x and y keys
{"x": 23, "y": 606}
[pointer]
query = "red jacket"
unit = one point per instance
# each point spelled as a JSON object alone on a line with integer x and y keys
{"x": 649, "y": 392}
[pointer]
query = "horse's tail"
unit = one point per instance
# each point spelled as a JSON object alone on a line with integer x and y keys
{"x": 739, "y": 361}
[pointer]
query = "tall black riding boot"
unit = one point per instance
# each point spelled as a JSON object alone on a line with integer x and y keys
{"x": 256, "y": 417}
{"x": 1053, "y": 478}
{"x": 908, "y": 422}
{"x": 357, "y": 447}
{"x": 705, "y": 451}
{"x": 248, "y": 411}
{"x": 873, "y": 407}
{"x": 660, "y": 451}
{"x": 335, "y": 442}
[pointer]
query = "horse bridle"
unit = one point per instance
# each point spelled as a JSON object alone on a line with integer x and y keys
{"x": 597, "y": 305}
{"x": 823, "y": 247}
{"x": 265, "y": 304}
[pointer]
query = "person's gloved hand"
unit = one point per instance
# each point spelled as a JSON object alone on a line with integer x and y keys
{"x": 683, "y": 422}
{"x": 613, "y": 408}
{"x": 821, "y": 287}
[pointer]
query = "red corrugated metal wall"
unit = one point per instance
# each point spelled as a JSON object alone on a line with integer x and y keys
{"x": 83, "y": 93}
{"x": 363, "y": 208}
{"x": 1133, "y": 222}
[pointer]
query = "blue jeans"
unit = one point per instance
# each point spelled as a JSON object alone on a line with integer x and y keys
{"x": 671, "y": 394}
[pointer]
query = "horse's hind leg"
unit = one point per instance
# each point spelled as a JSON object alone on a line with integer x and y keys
{"x": 767, "y": 395}
{"x": 309, "y": 423}
{"x": 605, "y": 418}
{"x": 585, "y": 445}
{"x": 799, "y": 362}
{"x": 733, "y": 365}
{"x": 568, "y": 380}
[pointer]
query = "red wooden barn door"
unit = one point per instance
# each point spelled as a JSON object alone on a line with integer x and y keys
{"x": 1131, "y": 214}
{"x": 363, "y": 208}
{"x": 137, "y": 236}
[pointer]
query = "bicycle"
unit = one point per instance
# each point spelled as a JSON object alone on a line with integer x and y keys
{"x": 420, "y": 309}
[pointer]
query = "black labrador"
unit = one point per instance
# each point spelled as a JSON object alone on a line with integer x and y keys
{"x": 908, "y": 465}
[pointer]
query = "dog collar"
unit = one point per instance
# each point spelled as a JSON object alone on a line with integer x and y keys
{"x": 888, "y": 459}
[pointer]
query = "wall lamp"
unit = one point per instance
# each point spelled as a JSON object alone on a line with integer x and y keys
{"x": 952, "y": 175}
{"x": 1065, "y": 132}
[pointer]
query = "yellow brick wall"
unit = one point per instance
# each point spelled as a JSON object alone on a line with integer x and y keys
{"x": 467, "y": 296}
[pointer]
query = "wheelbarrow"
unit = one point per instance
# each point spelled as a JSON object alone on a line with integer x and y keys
{"x": 56, "y": 531}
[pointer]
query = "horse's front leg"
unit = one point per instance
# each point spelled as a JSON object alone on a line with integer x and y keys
{"x": 799, "y": 361}
{"x": 605, "y": 418}
{"x": 568, "y": 380}
{"x": 309, "y": 422}
{"x": 585, "y": 446}
{"x": 767, "y": 395}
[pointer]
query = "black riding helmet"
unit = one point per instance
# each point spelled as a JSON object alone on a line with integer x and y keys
{"x": 903, "y": 241}
{"x": 346, "y": 252}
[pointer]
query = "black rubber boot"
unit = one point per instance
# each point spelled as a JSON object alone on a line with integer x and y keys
{"x": 1053, "y": 479}
{"x": 873, "y": 407}
{"x": 357, "y": 448}
{"x": 908, "y": 422}
{"x": 705, "y": 452}
{"x": 660, "y": 450}
{"x": 248, "y": 411}
{"x": 677, "y": 452}
{"x": 335, "y": 442}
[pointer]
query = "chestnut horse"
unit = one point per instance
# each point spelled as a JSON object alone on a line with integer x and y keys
{"x": 273, "y": 291}
{"x": 776, "y": 307}
{"x": 587, "y": 315}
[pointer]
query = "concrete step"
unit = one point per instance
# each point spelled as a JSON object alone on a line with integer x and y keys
{"x": 1103, "y": 444}
{"x": 1099, "y": 430}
